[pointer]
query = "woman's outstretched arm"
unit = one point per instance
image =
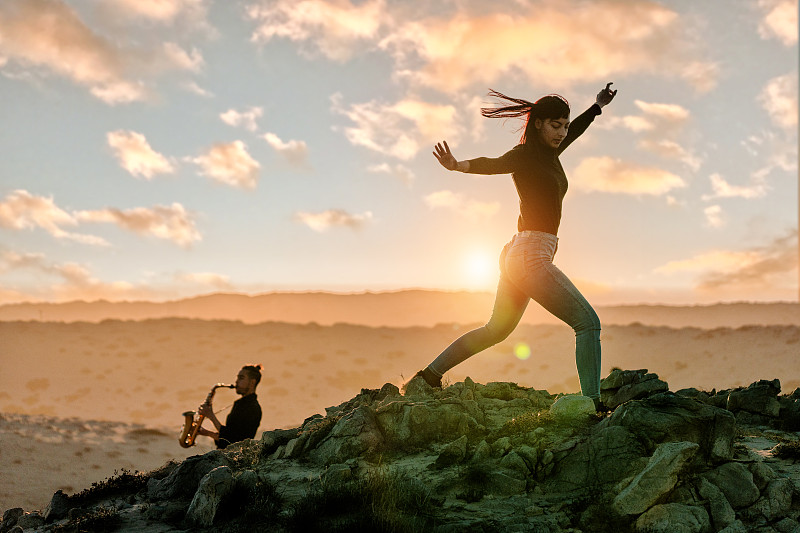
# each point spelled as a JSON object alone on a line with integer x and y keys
{"x": 446, "y": 159}
{"x": 505, "y": 164}
{"x": 579, "y": 125}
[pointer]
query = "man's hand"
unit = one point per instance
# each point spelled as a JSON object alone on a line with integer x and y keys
{"x": 605, "y": 96}
{"x": 206, "y": 410}
{"x": 445, "y": 157}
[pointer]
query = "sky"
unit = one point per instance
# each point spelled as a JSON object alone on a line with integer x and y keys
{"x": 162, "y": 149}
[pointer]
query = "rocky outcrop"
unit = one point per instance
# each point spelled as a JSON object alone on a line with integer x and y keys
{"x": 476, "y": 457}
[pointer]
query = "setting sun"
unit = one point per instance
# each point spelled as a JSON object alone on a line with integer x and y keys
{"x": 480, "y": 270}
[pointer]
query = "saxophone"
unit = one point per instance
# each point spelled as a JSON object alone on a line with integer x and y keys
{"x": 191, "y": 424}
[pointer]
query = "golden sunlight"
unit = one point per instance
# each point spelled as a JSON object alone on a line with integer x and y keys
{"x": 480, "y": 270}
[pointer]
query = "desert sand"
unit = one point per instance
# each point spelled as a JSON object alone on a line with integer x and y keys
{"x": 81, "y": 400}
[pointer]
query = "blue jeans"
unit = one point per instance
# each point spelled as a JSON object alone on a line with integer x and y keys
{"x": 527, "y": 272}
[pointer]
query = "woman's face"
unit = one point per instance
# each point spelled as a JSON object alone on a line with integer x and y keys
{"x": 552, "y": 130}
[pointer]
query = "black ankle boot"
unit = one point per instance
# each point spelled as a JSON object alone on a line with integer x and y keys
{"x": 430, "y": 378}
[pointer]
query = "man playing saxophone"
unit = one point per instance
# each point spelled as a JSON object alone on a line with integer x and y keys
{"x": 245, "y": 416}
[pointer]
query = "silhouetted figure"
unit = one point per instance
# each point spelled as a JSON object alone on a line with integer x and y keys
{"x": 526, "y": 262}
{"x": 245, "y": 416}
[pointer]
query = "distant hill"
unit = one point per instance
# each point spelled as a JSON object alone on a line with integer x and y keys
{"x": 396, "y": 309}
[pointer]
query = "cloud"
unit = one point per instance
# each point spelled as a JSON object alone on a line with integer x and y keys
{"x": 136, "y": 156}
{"x": 564, "y": 44}
{"x": 38, "y": 36}
{"x": 660, "y": 124}
{"x": 22, "y": 210}
{"x": 336, "y": 28}
{"x": 605, "y": 174}
{"x": 206, "y": 279}
{"x": 714, "y": 216}
{"x": 194, "y": 88}
{"x": 462, "y": 205}
{"x": 401, "y": 172}
{"x": 780, "y": 20}
{"x": 779, "y": 99}
{"x": 171, "y": 223}
{"x": 296, "y": 152}
{"x": 758, "y": 267}
{"x": 230, "y": 164}
{"x": 73, "y": 281}
{"x": 163, "y": 11}
{"x": 723, "y": 189}
{"x": 325, "y": 220}
{"x": 246, "y": 119}
{"x": 178, "y": 57}
{"x": 399, "y": 129}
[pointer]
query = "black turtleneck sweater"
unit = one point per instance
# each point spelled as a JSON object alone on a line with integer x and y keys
{"x": 242, "y": 422}
{"x": 537, "y": 173}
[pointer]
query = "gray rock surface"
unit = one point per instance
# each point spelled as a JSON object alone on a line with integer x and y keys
{"x": 213, "y": 488}
{"x": 657, "y": 479}
{"x": 674, "y": 518}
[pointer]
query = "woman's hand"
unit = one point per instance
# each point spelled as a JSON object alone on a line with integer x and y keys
{"x": 445, "y": 157}
{"x": 605, "y": 96}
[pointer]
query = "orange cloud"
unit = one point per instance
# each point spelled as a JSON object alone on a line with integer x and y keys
{"x": 22, "y": 210}
{"x": 562, "y": 43}
{"x": 774, "y": 264}
{"x": 398, "y": 129}
{"x": 136, "y": 156}
{"x": 780, "y": 20}
{"x": 172, "y": 223}
{"x": 723, "y": 189}
{"x": 401, "y": 172}
{"x": 165, "y": 11}
{"x": 336, "y": 28}
{"x": 49, "y": 35}
{"x": 207, "y": 279}
{"x": 779, "y": 99}
{"x": 230, "y": 164}
{"x": 296, "y": 152}
{"x": 462, "y": 205}
{"x": 246, "y": 119}
{"x": 606, "y": 174}
{"x": 325, "y": 220}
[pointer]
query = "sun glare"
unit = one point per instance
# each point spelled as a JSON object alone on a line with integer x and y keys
{"x": 480, "y": 270}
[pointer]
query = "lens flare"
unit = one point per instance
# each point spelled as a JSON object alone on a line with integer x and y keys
{"x": 522, "y": 351}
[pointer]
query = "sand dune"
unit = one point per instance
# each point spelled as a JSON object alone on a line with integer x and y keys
{"x": 102, "y": 396}
{"x": 395, "y": 309}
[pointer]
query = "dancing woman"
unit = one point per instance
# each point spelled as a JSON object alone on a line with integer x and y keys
{"x": 526, "y": 262}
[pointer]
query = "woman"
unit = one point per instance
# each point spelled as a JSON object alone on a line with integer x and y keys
{"x": 526, "y": 263}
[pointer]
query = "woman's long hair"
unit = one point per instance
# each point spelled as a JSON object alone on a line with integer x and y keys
{"x": 552, "y": 106}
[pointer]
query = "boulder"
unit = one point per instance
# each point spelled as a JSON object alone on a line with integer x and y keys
{"x": 515, "y": 465}
{"x": 572, "y": 408}
{"x": 608, "y": 456}
{"x": 657, "y": 479}
{"x": 213, "y": 488}
{"x": 625, "y": 385}
{"x": 182, "y": 482}
{"x": 33, "y": 521}
{"x": 667, "y": 417}
{"x": 722, "y": 514}
{"x": 776, "y": 501}
{"x": 452, "y": 453}
{"x": 762, "y": 474}
{"x": 736, "y": 482}
{"x": 759, "y": 398}
{"x": 674, "y": 518}
{"x": 10, "y": 517}
{"x": 356, "y": 433}
{"x": 736, "y": 527}
{"x": 58, "y": 507}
